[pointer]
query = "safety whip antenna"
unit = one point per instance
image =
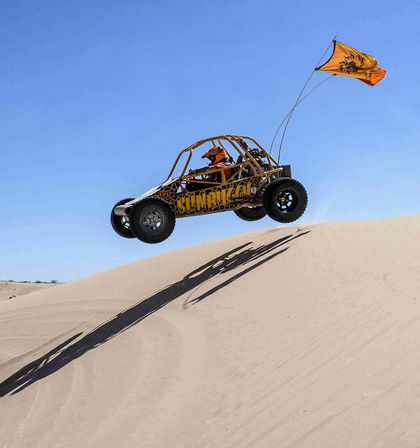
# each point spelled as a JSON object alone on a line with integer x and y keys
{"x": 298, "y": 101}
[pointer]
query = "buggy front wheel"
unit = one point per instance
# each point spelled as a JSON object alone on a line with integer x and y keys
{"x": 152, "y": 220}
{"x": 285, "y": 200}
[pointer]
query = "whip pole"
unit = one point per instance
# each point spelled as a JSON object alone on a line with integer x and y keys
{"x": 298, "y": 101}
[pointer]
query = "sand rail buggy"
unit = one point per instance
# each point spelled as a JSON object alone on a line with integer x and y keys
{"x": 252, "y": 185}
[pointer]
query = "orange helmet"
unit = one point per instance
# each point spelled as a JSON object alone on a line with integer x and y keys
{"x": 215, "y": 154}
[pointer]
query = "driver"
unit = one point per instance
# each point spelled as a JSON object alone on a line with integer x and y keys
{"x": 218, "y": 159}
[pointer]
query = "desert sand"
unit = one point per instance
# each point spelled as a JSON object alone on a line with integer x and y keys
{"x": 300, "y": 336}
{"x": 12, "y": 290}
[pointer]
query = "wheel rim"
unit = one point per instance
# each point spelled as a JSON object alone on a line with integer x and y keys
{"x": 125, "y": 222}
{"x": 286, "y": 200}
{"x": 151, "y": 219}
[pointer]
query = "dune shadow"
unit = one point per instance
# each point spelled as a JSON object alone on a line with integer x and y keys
{"x": 71, "y": 349}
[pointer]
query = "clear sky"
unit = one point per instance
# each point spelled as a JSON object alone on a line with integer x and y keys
{"x": 98, "y": 97}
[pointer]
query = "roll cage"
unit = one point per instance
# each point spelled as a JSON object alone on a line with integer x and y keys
{"x": 244, "y": 161}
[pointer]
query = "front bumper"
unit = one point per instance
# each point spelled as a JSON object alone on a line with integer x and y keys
{"x": 123, "y": 210}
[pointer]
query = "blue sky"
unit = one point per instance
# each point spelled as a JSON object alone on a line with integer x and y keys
{"x": 98, "y": 97}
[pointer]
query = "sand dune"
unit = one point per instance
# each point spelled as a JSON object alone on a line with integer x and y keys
{"x": 303, "y": 336}
{"x": 11, "y": 290}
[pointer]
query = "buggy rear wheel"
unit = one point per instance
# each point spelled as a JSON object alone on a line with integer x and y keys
{"x": 121, "y": 224}
{"x": 152, "y": 220}
{"x": 250, "y": 213}
{"x": 285, "y": 200}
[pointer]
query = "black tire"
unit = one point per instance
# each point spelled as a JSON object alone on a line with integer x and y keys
{"x": 152, "y": 220}
{"x": 250, "y": 213}
{"x": 285, "y": 200}
{"x": 121, "y": 224}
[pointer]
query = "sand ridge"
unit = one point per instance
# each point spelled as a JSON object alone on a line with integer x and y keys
{"x": 10, "y": 289}
{"x": 301, "y": 336}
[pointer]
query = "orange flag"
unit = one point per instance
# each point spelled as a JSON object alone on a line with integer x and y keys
{"x": 348, "y": 61}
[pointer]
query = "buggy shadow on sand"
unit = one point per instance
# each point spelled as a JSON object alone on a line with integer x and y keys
{"x": 227, "y": 268}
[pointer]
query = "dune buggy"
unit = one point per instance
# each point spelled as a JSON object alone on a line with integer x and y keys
{"x": 252, "y": 185}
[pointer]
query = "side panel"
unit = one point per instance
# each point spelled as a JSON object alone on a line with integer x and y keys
{"x": 219, "y": 198}
{"x": 216, "y": 199}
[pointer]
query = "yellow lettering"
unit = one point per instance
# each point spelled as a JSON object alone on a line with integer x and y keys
{"x": 180, "y": 205}
{"x": 223, "y": 196}
{"x": 200, "y": 201}
{"x": 218, "y": 196}
{"x": 229, "y": 194}
{"x": 211, "y": 200}
{"x": 192, "y": 200}
{"x": 248, "y": 189}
